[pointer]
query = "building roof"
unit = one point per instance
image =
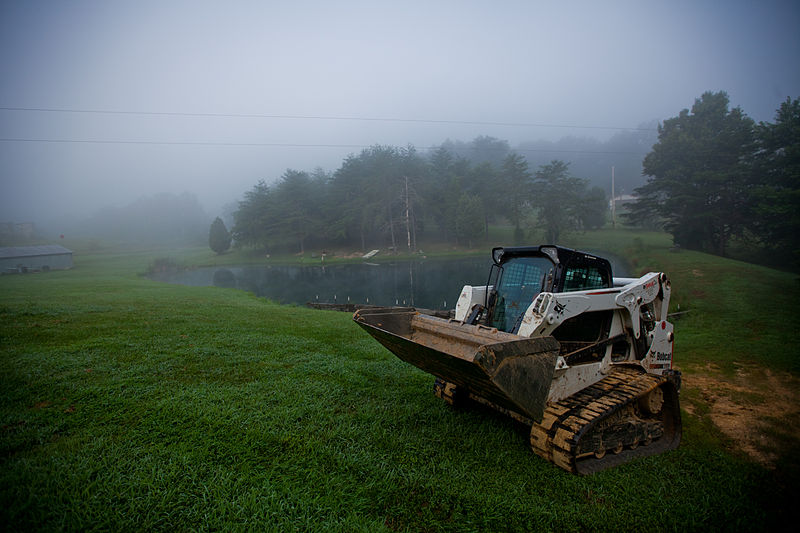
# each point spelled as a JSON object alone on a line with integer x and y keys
{"x": 29, "y": 251}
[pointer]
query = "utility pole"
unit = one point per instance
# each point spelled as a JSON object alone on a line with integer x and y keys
{"x": 613, "y": 202}
{"x": 408, "y": 216}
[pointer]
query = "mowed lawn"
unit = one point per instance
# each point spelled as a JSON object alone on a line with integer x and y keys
{"x": 129, "y": 404}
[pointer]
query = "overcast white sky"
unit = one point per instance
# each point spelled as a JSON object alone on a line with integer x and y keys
{"x": 581, "y": 64}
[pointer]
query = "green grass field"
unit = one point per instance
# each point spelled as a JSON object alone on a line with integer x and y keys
{"x": 129, "y": 404}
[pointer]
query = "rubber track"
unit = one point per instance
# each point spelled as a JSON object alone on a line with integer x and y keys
{"x": 557, "y": 437}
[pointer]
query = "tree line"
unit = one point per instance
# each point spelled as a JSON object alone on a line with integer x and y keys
{"x": 715, "y": 177}
{"x": 394, "y": 197}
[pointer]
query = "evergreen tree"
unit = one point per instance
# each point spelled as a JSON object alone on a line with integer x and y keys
{"x": 251, "y": 220}
{"x": 776, "y": 194}
{"x": 218, "y": 237}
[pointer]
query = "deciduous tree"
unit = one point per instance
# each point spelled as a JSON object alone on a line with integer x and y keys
{"x": 698, "y": 175}
{"x": 593, "y": 208}
{"x": 516, "y": 184}
{"x": 468, "y": 219}
{"x": 557, "y": 196}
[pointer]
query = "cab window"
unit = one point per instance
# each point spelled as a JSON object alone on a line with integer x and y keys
{"x": 521, "y": 280}
{"x": 584, "y": 277}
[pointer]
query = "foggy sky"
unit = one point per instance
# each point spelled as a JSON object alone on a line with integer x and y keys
{"x": 587, "y": 65}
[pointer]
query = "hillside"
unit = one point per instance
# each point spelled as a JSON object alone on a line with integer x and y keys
{"x": 131, "y": 404}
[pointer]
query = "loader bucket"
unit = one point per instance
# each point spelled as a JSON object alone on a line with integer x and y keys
{"x": 507, "y": 370}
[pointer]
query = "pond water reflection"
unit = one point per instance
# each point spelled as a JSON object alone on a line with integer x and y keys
{"x": 430, "y": 284}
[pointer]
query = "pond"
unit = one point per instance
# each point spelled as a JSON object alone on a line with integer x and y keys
{"x": 429, "y": 284}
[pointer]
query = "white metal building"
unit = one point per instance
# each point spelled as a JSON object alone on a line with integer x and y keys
{"x": 27, "y": 258}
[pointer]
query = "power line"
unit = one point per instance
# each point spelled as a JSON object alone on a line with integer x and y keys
{"x": 316, "y": 117}
{"x": 177, "y": 143}
{"x": 275, "y": 145}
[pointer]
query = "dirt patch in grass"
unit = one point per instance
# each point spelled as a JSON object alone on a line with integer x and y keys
{"x": 756, "y": 408}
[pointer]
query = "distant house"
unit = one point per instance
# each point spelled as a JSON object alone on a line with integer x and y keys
{"x": 622, "y": 200}
{"x": 27, "y": 258}
{"x": 15, "y": 233}
{"x": 25, "y": 229}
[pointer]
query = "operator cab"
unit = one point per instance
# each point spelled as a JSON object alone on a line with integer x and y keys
{"x": 519, "y": 274}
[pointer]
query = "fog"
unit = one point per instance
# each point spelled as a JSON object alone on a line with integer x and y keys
{"x": 104, "y": 102}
